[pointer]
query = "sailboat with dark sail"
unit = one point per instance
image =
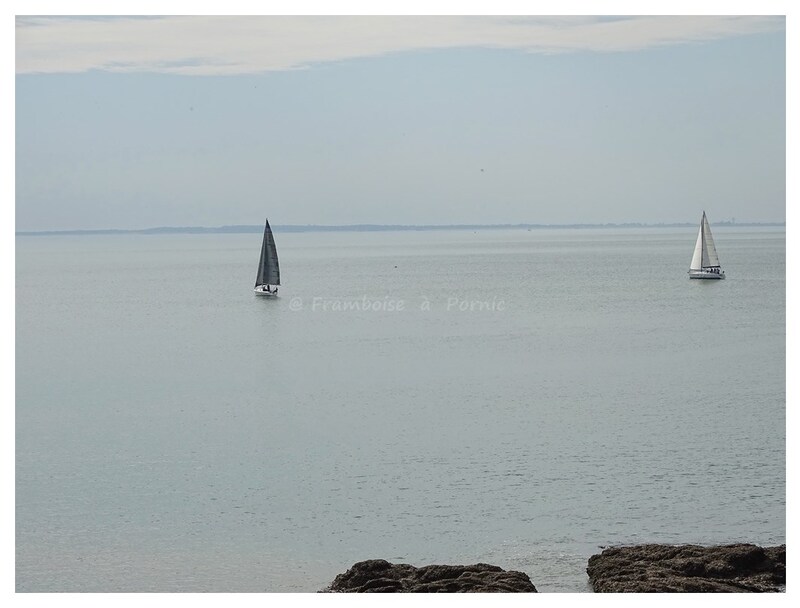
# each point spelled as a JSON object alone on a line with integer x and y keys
{"x": 269, "y": 274}
{"x": 705, "y": 263}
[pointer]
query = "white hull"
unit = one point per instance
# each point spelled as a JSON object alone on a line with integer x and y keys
{"x": 705, "y": 274}
{"x": 259, "y": 291}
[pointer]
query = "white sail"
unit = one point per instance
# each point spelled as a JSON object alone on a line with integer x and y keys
{"x": 705, "y": 263}
{"x": 709, "y": 251}
{"x": 697, "y": 258}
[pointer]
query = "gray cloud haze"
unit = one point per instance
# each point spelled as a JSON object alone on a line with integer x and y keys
{"x": 208, "y": 45}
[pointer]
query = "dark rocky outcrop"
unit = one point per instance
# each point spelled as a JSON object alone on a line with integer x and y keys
{"x": 380, "y": 576}
{"x": 688, "y": 568}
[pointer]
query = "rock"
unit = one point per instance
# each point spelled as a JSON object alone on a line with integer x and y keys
{"x": 380, "y": 576}
{"x": 688, "y": 568}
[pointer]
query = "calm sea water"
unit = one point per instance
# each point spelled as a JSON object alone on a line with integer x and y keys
{"x": 520, "y": 398}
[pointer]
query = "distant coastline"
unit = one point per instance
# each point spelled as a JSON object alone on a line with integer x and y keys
{"x": 241, "y": 229}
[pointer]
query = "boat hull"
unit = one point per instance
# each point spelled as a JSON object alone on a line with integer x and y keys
{"x": 704, "y": 274}
{"x": 259, "y": 291}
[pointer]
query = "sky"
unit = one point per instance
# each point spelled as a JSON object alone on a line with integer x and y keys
{"x": 144, "y": 121}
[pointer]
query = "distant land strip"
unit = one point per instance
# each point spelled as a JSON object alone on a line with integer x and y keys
{"x": 240, "y": 229}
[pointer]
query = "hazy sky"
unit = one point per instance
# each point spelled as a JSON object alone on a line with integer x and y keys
{"x": 206, "y": 121}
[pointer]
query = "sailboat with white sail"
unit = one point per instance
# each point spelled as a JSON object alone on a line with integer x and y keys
{"x": 705, "y": 263}
{"x": 269, "y": 273}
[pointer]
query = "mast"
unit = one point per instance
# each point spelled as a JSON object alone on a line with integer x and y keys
{"x": 703, "y": 223}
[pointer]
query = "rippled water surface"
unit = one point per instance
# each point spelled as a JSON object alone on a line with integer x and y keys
{"x": 520, "y": 398}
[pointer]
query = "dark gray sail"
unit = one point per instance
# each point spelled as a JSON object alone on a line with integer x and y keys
{"x": 268, "y": 271}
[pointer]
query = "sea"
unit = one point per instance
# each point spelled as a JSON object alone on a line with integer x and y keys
{"x": 523, "y": 398}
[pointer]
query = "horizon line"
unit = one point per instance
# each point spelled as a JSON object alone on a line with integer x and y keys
{"x": 250, "y": 228}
